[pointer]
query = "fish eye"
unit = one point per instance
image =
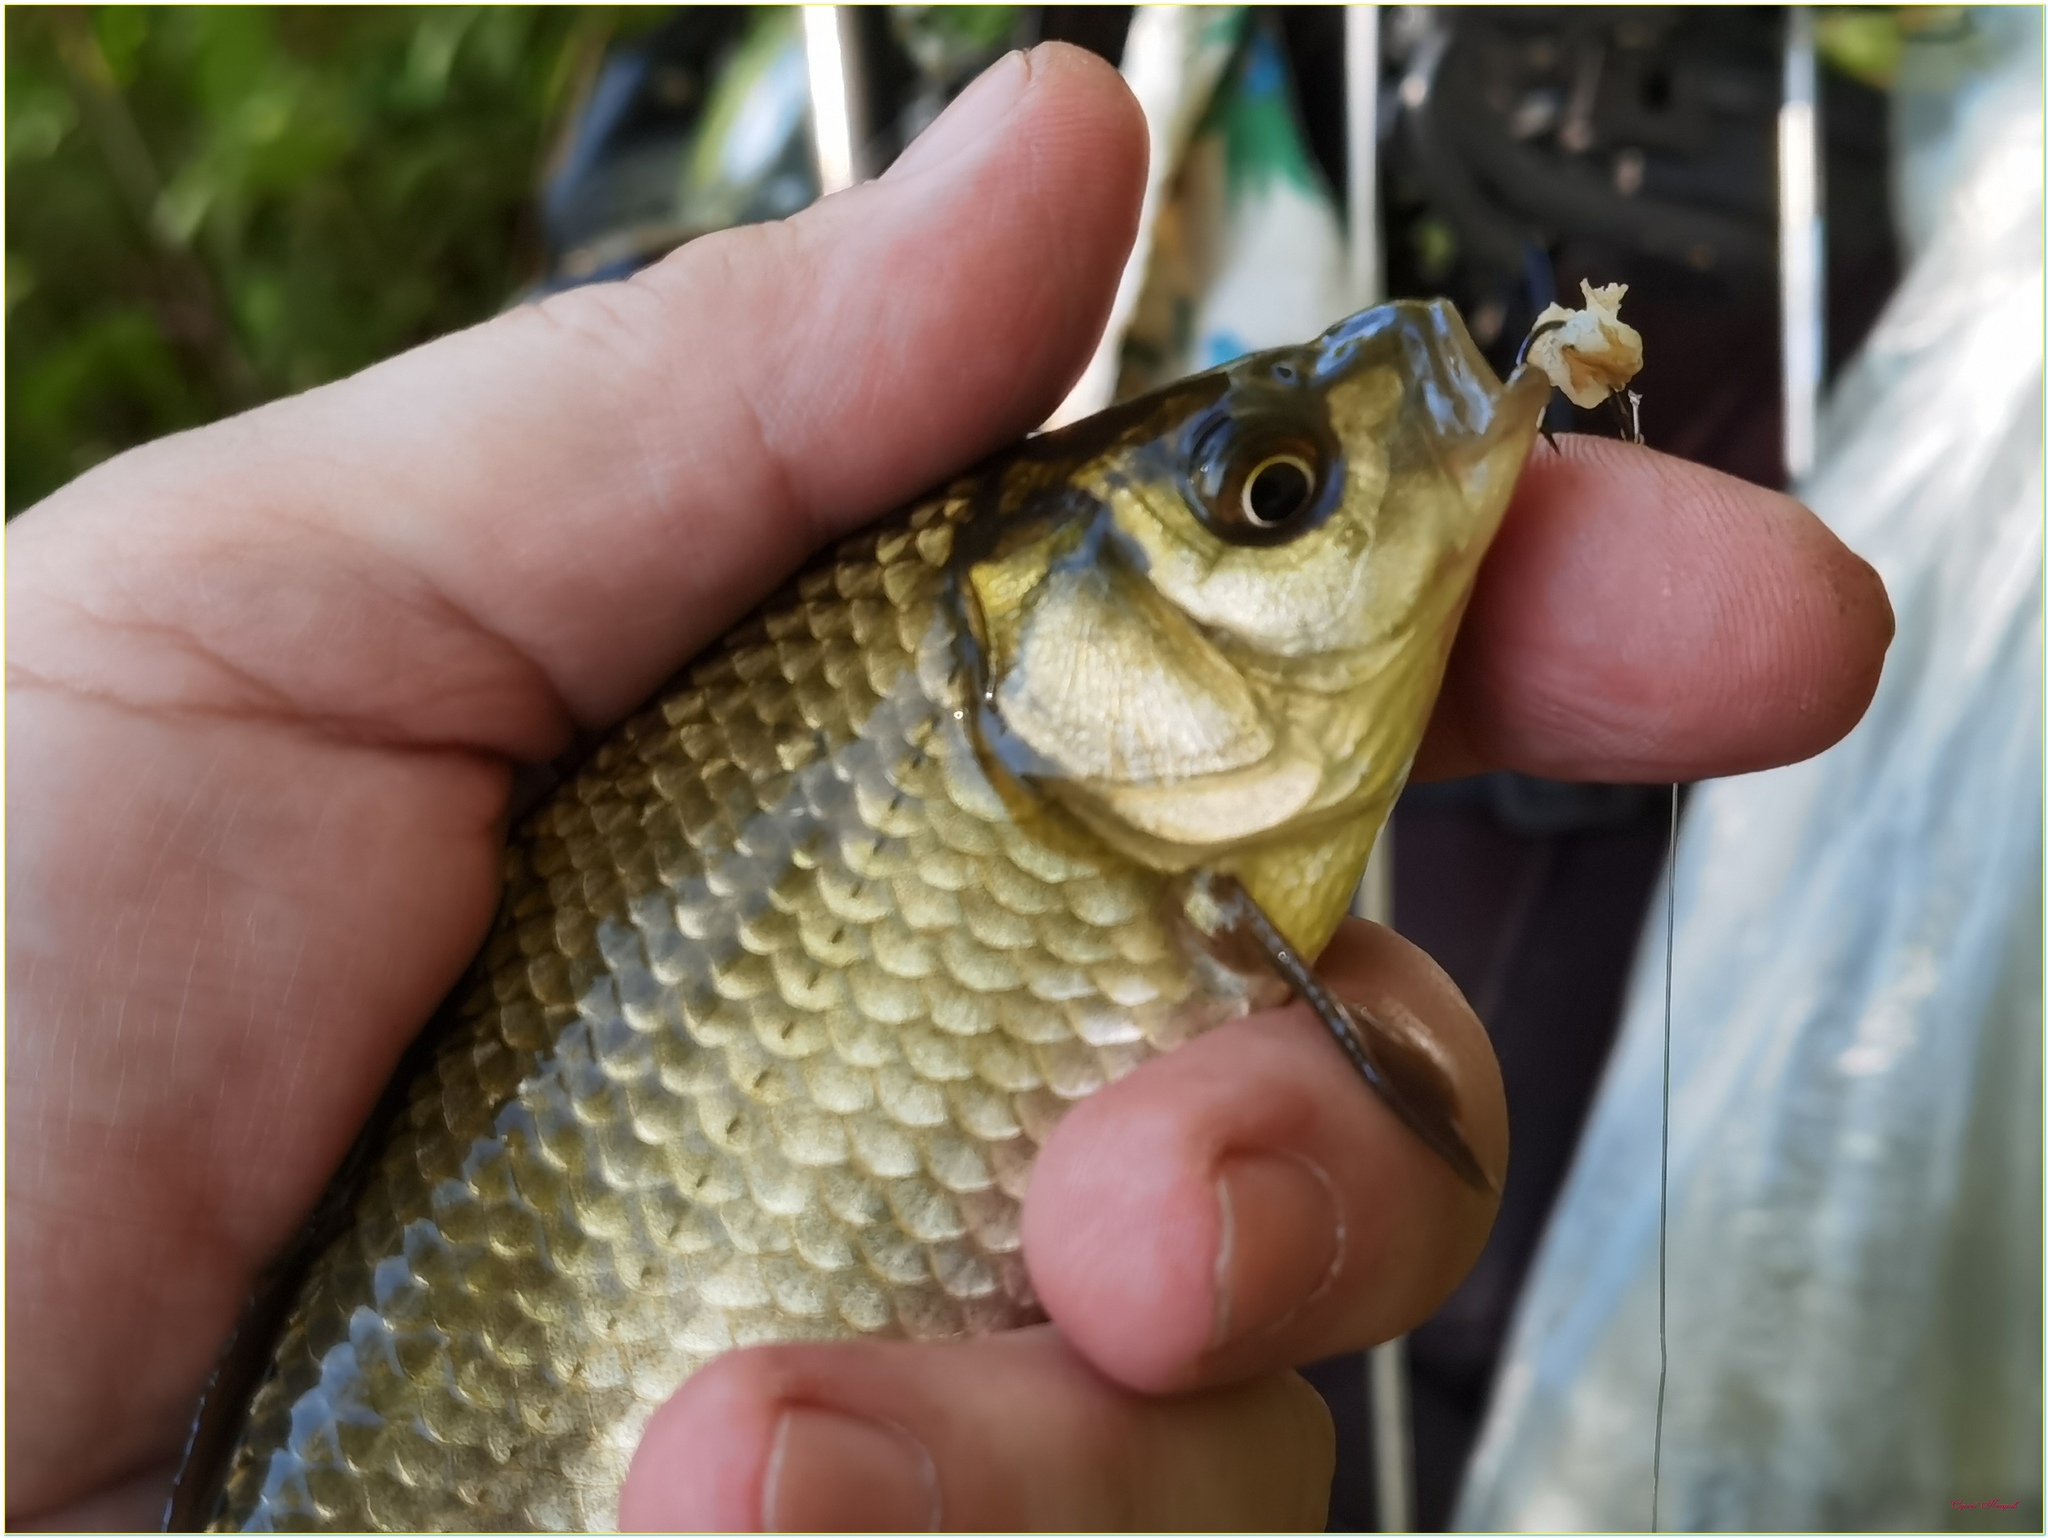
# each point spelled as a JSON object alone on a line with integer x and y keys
{"x": 1279, "y": 489}
{"x": 1260, "y": 482}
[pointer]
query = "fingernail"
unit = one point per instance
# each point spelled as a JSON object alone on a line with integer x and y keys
{"x": 1282, "y": 1242}
{"x": 831, "y": 1472}
{"x": 974, "y": 114}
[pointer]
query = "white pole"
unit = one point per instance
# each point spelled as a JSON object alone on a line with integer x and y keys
{"x": 1361, "y": 123}
{"x": 1386, "y": 1371}
{"x": 1801, "y": 274}
{"x": 1375, "y": 899}
{"x": 1393, "y": 1438}
{"x": 1386, "y": 1366}
{"x": 831, "y": 58}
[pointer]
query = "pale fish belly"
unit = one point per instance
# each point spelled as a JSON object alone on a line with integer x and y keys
{"x": 781, "y": 1003}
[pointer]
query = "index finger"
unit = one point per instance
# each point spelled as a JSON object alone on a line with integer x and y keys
{"x": 1641, "y": 619}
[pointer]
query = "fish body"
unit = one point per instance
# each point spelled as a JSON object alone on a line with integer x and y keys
{"x": 794, "y": 976}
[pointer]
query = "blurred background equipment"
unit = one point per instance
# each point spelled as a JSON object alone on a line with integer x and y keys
{"x": 213, "y": 206}
{"x": 1856, "y": 1130}
{"x": 1801, "y": 322}
{"x": 698, "y": 124}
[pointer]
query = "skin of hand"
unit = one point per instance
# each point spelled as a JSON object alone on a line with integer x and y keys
{"x": 268, "y": 680}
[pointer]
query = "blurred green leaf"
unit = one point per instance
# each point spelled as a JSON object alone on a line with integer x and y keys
{"x": 21, "y": 280}
{"x": 210, "y": 206}
{"x": 39, "y": 115}
{"x": 121, "y": 30}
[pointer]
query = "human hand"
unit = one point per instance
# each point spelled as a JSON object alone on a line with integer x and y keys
{"x": 268, "y": 680}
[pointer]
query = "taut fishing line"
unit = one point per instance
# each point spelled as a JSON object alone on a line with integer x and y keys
{"x": 1632, "y": 429}
{"x": 1664, "y": 1165}
{"x": 1630, "y": 417}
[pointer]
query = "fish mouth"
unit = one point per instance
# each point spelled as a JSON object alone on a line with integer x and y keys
{"x": 1464, "y": 398}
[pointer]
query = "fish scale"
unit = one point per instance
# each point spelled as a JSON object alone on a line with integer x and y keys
{"x": 766, "y": 1037}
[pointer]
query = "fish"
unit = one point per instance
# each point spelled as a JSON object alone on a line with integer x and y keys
{"x": 1077, "y": 756}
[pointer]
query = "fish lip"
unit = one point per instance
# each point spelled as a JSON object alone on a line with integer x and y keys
{"x": 1438, "y": 317}
{"x": 1462, "y": 389}
{"x": 1468, "y": 407}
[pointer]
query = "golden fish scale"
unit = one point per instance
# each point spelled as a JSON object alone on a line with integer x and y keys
{"x": 781, "y": 1001}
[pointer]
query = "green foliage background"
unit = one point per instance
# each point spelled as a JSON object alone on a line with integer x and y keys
{"x": 208, "y": 207}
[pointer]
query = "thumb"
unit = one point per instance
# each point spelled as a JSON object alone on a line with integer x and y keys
{"x": 542, "y": 516}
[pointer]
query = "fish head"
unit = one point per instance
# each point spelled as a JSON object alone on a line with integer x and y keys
{"x": 1211, "y": 623}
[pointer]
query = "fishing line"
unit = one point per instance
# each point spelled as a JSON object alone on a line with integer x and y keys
{"x": 1664, "y": 1166}
{"x": 1631, "y": 418}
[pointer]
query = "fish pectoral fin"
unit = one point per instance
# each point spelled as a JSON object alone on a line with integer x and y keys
{"x": 1406, "y": 1076}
